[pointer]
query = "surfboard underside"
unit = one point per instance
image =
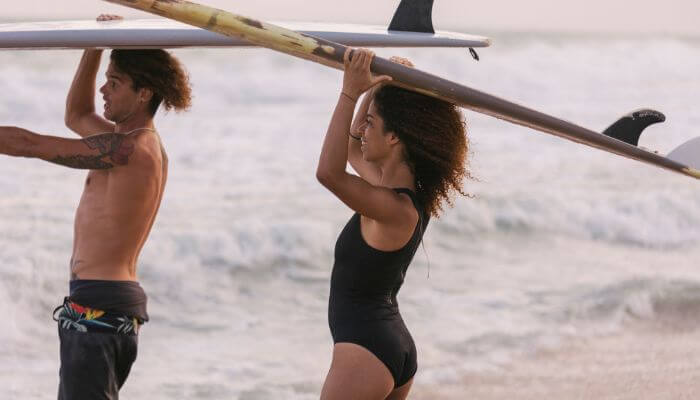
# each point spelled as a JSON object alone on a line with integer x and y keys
{"x": 329, "y": 53}
{"x": 151, "y": 33}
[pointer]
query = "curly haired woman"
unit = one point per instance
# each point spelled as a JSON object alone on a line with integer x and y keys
{"x": 410, "y": 153}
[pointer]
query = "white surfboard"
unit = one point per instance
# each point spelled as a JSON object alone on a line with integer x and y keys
{"x": 688, "y": 153}
{"x": 161, "y": 33}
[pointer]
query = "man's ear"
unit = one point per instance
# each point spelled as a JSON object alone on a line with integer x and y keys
{"x": 145, "y": 95}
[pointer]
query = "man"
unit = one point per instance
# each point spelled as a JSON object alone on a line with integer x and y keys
{"x": 100, "y": 319}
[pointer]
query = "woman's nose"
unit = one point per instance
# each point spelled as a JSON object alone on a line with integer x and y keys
{"x": 363, "y": 128}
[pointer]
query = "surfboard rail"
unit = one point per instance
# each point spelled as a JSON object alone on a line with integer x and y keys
{"x": 331, "y": 54}
{"x": 162, "y": 33}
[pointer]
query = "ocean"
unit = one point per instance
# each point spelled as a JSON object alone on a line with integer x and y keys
{"x": 560, "y": 244}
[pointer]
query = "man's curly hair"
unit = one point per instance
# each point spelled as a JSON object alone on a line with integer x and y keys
{"x": 158, "y": 71}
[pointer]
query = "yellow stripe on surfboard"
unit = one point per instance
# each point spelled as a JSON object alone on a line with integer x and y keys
{"x": 331, "y": 54}
{"x": 693, "y": 172}
{"x": 226, "y": 23}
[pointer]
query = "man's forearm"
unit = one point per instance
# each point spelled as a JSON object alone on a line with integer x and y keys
{"x": 16, "y": 141}
{"x": 104, "y": 151}
{"x": 81, "y": 97}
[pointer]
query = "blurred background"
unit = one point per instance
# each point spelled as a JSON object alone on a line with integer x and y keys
{"x": 564, "y": 250}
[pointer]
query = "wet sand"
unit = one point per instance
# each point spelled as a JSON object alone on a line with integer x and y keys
{"x": 633, "y": 366}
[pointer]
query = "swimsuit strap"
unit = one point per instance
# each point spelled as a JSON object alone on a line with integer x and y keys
{"x": 423, "y": 218}
{"x": 414, "y": 199}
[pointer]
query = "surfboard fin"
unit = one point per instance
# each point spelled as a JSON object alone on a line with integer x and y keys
{"x": 629, "y": 128}
{"x": 417, "y": 16}
{"x": 413, "y": 16}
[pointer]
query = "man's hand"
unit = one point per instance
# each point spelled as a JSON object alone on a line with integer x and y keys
{"x": 109, "y": 17}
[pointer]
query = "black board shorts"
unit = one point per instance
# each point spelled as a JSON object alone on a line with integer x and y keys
{"x": 97, "y": 351}
{"x": 94, "y": 365}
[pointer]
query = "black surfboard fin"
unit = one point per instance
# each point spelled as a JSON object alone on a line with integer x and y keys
{"x": 413, "y": 16}
{"x": 629, "y": 128}
{"x": 417, "y": 16}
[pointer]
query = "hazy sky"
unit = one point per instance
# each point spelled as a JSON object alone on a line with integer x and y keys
{"x": 670, "y": 16}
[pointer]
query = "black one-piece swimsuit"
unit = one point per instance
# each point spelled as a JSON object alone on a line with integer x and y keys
{"x": 362, "y": 307}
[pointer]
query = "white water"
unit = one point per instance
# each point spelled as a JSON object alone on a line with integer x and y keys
{"x": 560, "y": 242}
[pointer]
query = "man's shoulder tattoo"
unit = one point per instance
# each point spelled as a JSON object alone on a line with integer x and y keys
{"x": 111, "y": 146}
{"x": 82, "y": 162}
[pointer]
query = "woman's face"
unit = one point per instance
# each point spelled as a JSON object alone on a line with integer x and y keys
{"x": 375, "y": 142}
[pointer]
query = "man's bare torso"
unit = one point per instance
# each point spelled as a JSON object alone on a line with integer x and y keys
{"x": 117, "y": 210}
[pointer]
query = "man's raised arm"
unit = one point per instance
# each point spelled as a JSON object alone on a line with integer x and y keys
{"x": 104, "y": 151}
{"x": 80, "y": 114}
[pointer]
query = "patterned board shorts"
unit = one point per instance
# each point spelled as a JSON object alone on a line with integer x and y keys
{"x": 73, "y": 316}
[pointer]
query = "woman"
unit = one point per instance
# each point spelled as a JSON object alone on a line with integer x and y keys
{"x": 409, "y": 150}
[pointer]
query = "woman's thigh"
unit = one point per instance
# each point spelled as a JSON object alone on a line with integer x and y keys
{"x": 356, "y": 373}
{"x": 401, "y": 393}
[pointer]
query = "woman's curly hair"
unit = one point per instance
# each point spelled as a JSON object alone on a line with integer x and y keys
{"x": 434, "y": 135}
{"x": 158, "y": 71}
